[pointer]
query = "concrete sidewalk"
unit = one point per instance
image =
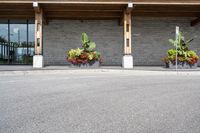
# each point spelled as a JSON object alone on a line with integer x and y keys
{"x": 66, "y": 70}
{"x": 66, "y": 67}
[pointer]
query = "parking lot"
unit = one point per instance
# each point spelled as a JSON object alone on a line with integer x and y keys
{"x": 99, "y": 102}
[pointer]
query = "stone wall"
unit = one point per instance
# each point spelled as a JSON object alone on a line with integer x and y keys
{"x": 149, "y": 39}
{"x": 60, "y": 36}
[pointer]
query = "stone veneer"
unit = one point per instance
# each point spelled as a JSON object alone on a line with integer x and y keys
{"x": 149, "y": 39}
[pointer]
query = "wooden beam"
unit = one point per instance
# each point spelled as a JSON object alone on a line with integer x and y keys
{"x": 14, "y": 17}
{"x": 38, "y": 32}
{"x": 127, "y": 33}
{"x": 121, "y": 20}
{"x": 83, "y": 18}
{"x": 45, "y": 20}
{"x": 165, "y": 14}
{"x": 128, "y": 9}
{"x": 38, "y": 9}
{"x": 195, "y": 22}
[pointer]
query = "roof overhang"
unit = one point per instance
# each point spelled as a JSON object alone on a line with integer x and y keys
{"x": 99, "y": 9}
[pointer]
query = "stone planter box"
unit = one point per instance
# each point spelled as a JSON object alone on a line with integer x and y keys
{"x": 181, "y": 65}
{"x": 94, "y": 64}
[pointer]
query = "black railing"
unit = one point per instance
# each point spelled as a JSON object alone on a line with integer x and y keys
{"x": 14, "y": 53}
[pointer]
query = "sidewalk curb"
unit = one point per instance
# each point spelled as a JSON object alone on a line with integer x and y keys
{"x": 99, "y": 71}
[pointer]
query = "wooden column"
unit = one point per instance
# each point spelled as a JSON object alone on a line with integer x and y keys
{"x": 38, "y": 32}
{"x": 127, "y": 33}
{"x": 38, "y": 29}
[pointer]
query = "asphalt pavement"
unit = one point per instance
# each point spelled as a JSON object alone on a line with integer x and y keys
{"x": 99, "y": 102}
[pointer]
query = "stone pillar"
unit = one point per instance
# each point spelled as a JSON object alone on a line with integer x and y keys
{"x": 38, "y": 57}
{"x": 127, "y": 61}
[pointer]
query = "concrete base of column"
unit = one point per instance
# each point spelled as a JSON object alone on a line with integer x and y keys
{"x": 127, "y": 61}
{"x": 38, "y": 61}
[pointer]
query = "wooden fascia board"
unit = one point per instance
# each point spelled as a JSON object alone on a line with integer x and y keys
{"x": 167, "y": 3}
{"x": 65, "y": 2}
{"x": 96, "y": 2}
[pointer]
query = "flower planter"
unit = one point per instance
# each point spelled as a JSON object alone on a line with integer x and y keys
{"x": 94, "y": 64}
{"x": 185, "y": 58}
{"x": 181, "y": 65}
{"x": 85, "y": 57}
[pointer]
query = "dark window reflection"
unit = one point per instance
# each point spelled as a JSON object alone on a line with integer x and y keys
{"x": 16, "y": 42}
{"x": 31, "y": 38}
{"x": 3, "y": 41}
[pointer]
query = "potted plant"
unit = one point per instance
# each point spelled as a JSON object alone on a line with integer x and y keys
{"x": 186, "y": 58}
{"x": 86, "y": 56}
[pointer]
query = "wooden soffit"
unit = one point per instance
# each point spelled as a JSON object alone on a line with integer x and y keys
{"x": 99, "y": 9}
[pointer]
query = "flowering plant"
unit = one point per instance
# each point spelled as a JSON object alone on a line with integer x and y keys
{"x": 86, "y": 54}
{"x": 184, "y": 54}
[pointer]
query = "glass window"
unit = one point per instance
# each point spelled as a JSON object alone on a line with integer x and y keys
{"x": 17, "y": 41}
{"x": 3, "y": 41}
{"x": 31, "y": 37}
